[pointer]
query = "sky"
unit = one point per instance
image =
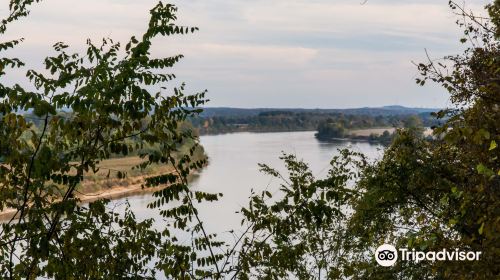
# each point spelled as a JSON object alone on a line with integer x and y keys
{"x": 269, "y": 53}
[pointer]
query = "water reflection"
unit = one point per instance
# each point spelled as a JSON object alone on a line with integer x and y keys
{"x": 233, "y": 170}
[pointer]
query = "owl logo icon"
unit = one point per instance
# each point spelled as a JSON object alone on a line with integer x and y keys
{"x": 386, "y": 255}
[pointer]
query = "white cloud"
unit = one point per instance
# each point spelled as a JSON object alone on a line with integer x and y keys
{"x": 256, "y": 53}
{"x": 316, "y": 53}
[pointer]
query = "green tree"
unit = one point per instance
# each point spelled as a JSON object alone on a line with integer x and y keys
{"x": 88, "y": 108}
{"x": 300, "y": 230}
{"x": 443, "y": 193}
{"x": 330, "y": 129}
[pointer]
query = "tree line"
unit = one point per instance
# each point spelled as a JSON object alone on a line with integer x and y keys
{"x": 282, "y": 120}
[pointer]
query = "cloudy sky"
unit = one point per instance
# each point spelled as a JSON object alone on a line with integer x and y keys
{"x": 271, "y": 53}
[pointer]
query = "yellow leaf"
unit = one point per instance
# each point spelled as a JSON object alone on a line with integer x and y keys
{"x": 493, "y": 145}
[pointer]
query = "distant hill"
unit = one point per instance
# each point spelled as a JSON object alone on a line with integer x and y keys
{"x": 377, "y": 111}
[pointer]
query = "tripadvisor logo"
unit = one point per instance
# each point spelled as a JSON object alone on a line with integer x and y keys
{"x": 387, "y": 255}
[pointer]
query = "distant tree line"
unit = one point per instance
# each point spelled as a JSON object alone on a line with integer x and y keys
{"x": 331, "y": 129}
{"x": 274, "y": 121}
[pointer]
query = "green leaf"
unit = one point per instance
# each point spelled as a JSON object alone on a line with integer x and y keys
{"x": 482, "y": 169}
{"x": 481, "y": 229}
{"x": 493, "y": 145}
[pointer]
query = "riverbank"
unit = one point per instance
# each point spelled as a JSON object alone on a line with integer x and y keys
{"x": 115, "y": 192}
{"x": 358, "y": 132}
{"x": 383, "y": 135}
{"x": 104, "y": 185}
{"x": 270, "y": 130}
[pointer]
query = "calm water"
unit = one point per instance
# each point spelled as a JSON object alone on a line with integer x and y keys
{"x": 233, "y": 170}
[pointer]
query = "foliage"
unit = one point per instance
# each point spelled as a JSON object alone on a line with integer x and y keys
{"x": 299, "y": 231}
{"x": 88, "y": 108}
{"x": 385, "y": 138}
{"x": 444, "y": 193}
{"x": 330, "y": 129}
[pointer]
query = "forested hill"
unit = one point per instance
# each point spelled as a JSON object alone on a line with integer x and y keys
{"x": 224, "y": 120}
{"x": 371, "y": 111}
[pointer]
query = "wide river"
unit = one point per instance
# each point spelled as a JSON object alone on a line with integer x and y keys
{"x": 233, "y": 170}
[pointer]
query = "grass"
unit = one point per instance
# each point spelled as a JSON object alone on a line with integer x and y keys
{"x": 369, "y": 131}
{"x": 106, "y": 178}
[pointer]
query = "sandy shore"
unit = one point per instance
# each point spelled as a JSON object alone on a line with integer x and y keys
{"x": 111, "y": 193}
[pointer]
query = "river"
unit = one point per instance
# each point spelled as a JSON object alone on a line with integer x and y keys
{"x": 233, "y": 170}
